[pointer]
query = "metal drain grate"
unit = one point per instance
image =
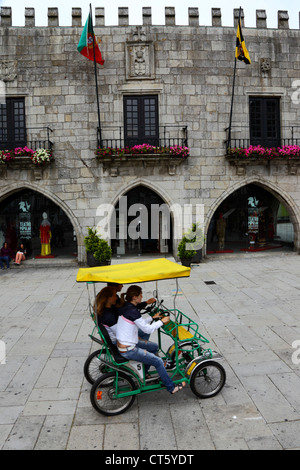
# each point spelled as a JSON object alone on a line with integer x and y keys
{"x": 209, "y": 282}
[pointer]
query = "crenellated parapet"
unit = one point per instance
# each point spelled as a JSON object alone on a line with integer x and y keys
{"x": 123, "y": 17}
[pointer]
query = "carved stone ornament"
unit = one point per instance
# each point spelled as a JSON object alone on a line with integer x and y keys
{"x": 265, "y": 67}
{"x": 139, "y": 56}
{"x": 8, "y": 70}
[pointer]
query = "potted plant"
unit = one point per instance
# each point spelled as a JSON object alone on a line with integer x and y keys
{"x": 187, "y": 254}
{"x": 99, "y": 252}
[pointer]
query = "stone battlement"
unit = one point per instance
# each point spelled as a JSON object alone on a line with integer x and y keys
{"x": 123, "y": 17}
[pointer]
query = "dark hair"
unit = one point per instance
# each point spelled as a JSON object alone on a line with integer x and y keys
{"x": 101, "y": 299}
{"x": 132, "y": 291}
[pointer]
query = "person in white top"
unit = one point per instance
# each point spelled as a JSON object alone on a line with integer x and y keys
{"x": 129, "y": 344}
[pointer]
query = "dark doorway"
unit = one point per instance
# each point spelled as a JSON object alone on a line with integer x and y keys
{"x": 253, "y": 216}
{"x": 21, "y": 215}
{"x": 143, "y": 224}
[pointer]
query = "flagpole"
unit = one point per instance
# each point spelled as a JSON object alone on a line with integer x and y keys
{"x": 233, "y": 85}
{"x": 95, "y": 68}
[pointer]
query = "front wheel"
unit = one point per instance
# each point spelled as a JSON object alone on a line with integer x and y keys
{"x": 105, "y": 390}
{"x": 207, "y": 379}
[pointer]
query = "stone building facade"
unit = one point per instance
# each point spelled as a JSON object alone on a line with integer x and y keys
{"x": 188, "y": 71}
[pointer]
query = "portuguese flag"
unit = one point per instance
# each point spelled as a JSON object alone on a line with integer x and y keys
{"x": 88, "y": 43}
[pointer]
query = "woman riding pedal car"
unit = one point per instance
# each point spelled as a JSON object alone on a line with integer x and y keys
{"x": 129, "y": 344}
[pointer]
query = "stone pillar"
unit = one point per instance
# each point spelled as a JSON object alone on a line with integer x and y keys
{"x": 283, "y": 19}
{"x": 99, "y": 16}
{"x": 5, "y": 16}
{"x": 76, "y": 17}
{"x": 236, "y": 13}
{"x": 170, "y": 16}
{"x": 193, "y": 17}
{"x": 216, "y": 17}
{"x": 29, "y": 17}
{"x": 261, "y": 19}
{"x": 53, "y": 16}
{"x": 123, "y": 16}
{"x": 147, "y": 16}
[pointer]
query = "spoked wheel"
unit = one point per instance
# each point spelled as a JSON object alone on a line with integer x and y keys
{"x": 103, "y": 393}
{"x": 93, "y": 367}
{"x": 187, "y": 351}
{"x": 208, "y": 379}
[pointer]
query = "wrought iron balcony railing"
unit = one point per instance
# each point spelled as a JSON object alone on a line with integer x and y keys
{"x": 33, "y": 138}
{"x": 169, "y": 136}
{"x": 240, "y": 137}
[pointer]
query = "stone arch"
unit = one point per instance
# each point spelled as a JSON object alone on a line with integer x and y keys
{"x": 16, "y": 187}
{"x": 274, "y": 189}
{"x": 176, "y": 218}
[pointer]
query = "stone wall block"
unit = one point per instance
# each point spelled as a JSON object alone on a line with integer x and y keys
{"x": 5, "y": 16}
{"x": 53, "y": 17}
{"x": 283, "y": 19}
{"x": 76, "y": 17}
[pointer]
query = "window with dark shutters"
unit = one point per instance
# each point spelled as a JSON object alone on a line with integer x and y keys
{"x": 12, "y": 123}
{"x": 141, "y": 120}
{"x": 265, "y": 121}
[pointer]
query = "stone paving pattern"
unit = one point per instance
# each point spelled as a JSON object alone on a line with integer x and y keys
{"x": 250, "y": 315}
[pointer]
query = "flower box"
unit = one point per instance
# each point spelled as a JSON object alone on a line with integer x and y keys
{"x": 146, "y": 155}
{"x": 25, "y": 156}
{"x": 254, "y": 153}
{"x": 287, "y": 155}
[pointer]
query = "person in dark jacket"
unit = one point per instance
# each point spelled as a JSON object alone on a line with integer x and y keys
{"x": 129, "y": 344}
{"x": 105, "y": 310}
{"x": 5, "y": 255}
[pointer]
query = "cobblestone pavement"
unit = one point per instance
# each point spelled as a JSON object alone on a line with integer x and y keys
{"x": 251, "y": 316}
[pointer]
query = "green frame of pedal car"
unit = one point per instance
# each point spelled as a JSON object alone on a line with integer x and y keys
{"x": 150, "y": 271}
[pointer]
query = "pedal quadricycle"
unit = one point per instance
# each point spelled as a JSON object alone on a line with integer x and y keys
{"x": 115, "y": 380}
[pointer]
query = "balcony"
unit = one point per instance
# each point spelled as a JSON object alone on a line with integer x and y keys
{"x": 169, "y": 149}
{"x": 32, "y": 152}
{"x": 33, "y": 137}
{"x": 243, "y": 150}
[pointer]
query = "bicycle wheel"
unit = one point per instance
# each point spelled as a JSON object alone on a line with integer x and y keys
{"x": 187, "y": 351}
{"x": 93, "y": 367}
{"x": 103, "y": 393}
{"x": 207, "y": 379}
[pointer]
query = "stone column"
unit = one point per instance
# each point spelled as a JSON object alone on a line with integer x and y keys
{"x": 236, "y": 13}
{"x": 283, "y": 19}
{"x": 193, "y": 17}
{"x": 5, "y": 16}
{"x": 147, "y": 16}
{"x": 53, "y": 17}
{"x": 123, "y": 16}
{"x": 99, "y": 16}
{"x": 29, "y": 17}
{"x": 216, "y": 17}
{"x": 261, "y": 19}
{"x": 76, "y": 17}
{"x": 170, "y": 16}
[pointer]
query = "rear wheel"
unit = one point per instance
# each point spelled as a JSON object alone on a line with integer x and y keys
{"x": 94, "y": 367}
{"x": 208, "y": 379}
{"x": 104, "y": 391}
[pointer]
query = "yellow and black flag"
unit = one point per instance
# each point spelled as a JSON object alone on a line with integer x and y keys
{"x": 241, "y": 52}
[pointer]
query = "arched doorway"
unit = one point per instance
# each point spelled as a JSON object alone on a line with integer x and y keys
{"x": 254, "y": 218}
{"x": 143, "y": 223}
{"x": 21, "y": 214}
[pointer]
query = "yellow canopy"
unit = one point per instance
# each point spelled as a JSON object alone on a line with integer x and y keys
{"x": 129, "y": 273}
